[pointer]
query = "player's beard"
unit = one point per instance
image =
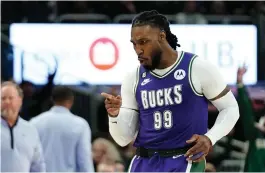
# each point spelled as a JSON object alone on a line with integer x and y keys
{"x": 155, "y": 60}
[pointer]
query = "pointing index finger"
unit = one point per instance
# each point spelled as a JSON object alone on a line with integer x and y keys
{"x": 107, "y": 96}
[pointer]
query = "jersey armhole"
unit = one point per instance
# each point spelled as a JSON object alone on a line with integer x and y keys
{"x": 190, "y": 77}
{"x": 136, "y": 81}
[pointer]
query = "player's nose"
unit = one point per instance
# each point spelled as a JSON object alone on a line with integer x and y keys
{"x": 139, "y": 52}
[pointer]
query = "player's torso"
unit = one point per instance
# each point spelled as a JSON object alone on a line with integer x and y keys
{"x": 170, "y": 111}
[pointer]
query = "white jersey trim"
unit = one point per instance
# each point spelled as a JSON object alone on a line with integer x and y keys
{"x": 190, "y": 77}
{"x": 172, "y": 69}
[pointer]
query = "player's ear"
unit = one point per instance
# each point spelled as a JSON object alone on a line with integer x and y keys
{"x": 162, "y": 35}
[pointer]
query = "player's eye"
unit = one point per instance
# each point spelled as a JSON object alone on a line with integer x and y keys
{"x": 142, "y": 42}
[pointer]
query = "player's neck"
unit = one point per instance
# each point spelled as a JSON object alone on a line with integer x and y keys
{"x": 168, "y": 58}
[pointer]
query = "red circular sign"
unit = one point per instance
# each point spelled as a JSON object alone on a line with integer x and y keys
{"x": 92, "y": 57}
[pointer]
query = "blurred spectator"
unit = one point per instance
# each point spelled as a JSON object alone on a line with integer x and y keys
{"x": 218, "y": 8}
{"x": 28, "y": 90}
{"x": 21, "y": 149}
{"x": 172, "y": 7}
{"x": 12, "y": 11}
{"x": 121, "y": 7}
{"x": 130, "y": 150}
{"x": 82, "y": 7}
{"x": 254, "y": 133}
{"x": 75, "y": 7}
{"x": 240, "y": 9}
{"x": 210, "y": 168}
{"x": 36, "y": 101}
{"x": 115, "y": 167}
{"x": 102, "y": 116}
{"x": 36, "y": 11}
{"x": 259, "y": 7}
{"x": 119, "y": 167}
{"x": 105, "y": 154}
{"x": 66, "y": 138}
{"x": 128, "y": 153}
{"x": 190, "y": 14}
{"x": 128, "y": 7}
{"x": 226, "y": 149}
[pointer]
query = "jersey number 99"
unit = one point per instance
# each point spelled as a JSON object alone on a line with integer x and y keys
{"x": 164, "y": 119}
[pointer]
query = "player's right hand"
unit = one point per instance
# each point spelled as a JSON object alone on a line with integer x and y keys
{"x": 112, "y": 104}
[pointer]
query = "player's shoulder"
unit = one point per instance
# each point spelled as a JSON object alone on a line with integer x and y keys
{"x": 201, "y": 63}
{"x": 132, "y": 73}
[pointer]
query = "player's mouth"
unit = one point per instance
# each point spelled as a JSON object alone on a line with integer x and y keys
{"x": 141, "y": 60}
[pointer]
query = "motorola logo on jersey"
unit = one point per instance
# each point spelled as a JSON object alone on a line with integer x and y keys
{"x": 107, "y": 59}
{"x": 179, "y": 74}
{"x": 161, "y": 97}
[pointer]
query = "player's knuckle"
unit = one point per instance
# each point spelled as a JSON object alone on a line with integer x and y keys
{"x": 205, "y": 144}
{"x": 192, "y": 151}
{"x": 198, "y": 151}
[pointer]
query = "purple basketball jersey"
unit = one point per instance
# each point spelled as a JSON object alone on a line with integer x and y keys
{"x": 170, "y": 110}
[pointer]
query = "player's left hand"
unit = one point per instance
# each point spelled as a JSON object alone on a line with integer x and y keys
{"x": 201, "y": 148}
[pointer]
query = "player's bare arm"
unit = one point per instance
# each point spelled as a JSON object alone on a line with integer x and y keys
{"x": 216, "y": 91}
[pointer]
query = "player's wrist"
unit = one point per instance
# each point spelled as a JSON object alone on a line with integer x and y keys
{"x": 211, "y": 138}
{"x": 113, "y": 116}
{"x": 113, "y": 119}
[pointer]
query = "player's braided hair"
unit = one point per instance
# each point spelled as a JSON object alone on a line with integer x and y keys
{"x": 153, "y": 18}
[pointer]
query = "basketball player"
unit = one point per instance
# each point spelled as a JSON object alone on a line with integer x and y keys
{"x": 164, "y": 102}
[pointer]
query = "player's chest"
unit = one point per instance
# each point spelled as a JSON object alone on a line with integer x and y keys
{"x": 155, "y": 92}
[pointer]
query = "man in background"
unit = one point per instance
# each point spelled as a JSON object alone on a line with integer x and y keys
{"x": 20, "y": 144}
{"x": 66, "y": 138}
{"x": 253, "y": 132}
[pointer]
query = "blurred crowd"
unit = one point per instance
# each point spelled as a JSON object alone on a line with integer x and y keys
{"x": 229, "y": 154}
{"x": 41, "y": 11}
